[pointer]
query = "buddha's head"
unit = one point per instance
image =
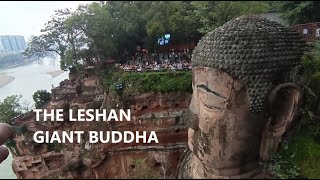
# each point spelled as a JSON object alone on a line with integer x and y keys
{"x": 243, "y": 97}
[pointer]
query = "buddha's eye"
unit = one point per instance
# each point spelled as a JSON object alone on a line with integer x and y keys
{"x": 207, "y": 101}
{"x": 211, "y": 107}
{"x": 210, "y": 99}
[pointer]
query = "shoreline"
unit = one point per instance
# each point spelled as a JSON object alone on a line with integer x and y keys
{"x": 16, "y": 65}
{"x": 54, "y": 74}
{"x": 4, "y": 80}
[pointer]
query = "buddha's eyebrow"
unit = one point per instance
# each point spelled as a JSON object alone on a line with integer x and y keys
{"x": 210, "y": 91}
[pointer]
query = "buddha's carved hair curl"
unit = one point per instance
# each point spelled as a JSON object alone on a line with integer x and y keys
{"x": 257, "y": 51}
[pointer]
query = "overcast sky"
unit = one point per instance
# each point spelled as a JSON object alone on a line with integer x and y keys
{"x": 26, "y": 18}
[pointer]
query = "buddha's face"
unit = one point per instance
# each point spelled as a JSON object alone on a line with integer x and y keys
{"x": 224, "y": 133}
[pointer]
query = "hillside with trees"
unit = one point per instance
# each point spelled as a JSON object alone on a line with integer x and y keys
{"x": 102, "y": 31}
{"x": 109, "y": 30}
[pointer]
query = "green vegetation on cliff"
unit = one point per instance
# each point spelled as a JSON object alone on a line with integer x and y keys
{"x": 141, "y": 82}
{"x": 57, "y": 147}
{"x": 40, "y": 97}
{"x": 300, "y": 12}
{"x": 142, "y": 170}
{"x": 10, "y": 108}
{"x": 306, "y": 144}
{"x": 305, "y": 153}
{"x": 111, "y": 29}
{"x": 299, "y": 156}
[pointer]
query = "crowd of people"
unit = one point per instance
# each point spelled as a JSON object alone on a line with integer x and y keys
{"x": 175, "y": 60}
{"x": 154, "y": 66}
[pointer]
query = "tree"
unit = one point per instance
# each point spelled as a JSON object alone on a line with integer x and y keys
{"x": 174, "y": 17}
{"x": 298, "y": 12}
{"x": 274, "y": 5}
{"x": 95, "y": 21}
{"x": 112, "y": 28}
{"x": 213, "y": 14}
{"x": 58, "y": 36}
{"x": 132, "y": 21}
{"x": 40, "y": 97}
{"x": 10, "y": 108}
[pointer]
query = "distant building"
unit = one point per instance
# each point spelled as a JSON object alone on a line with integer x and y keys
{"x": 12, "y": 43}
{"x": 310, "y": 31}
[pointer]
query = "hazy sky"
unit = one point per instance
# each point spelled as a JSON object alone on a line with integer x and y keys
{"x": 26, "y": 18}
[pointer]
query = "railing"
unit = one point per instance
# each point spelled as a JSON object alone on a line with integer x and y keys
{"x": 156, "y": 69}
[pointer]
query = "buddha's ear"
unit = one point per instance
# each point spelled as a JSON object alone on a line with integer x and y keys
{"x": 281, "y": 108}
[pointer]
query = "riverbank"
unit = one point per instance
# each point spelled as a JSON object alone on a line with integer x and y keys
{"x": 54, "y": 74}
{"x": 16, "y": 65}
{"x": 4, "y": 80}
{"x": 27, "y": 80}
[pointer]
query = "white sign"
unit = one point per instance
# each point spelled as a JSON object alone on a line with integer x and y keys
{"x": 305, "y": 31}
{"x": 318, "y": 32}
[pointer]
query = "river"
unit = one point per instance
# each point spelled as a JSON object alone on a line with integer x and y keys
{"x": 28, "y": 79}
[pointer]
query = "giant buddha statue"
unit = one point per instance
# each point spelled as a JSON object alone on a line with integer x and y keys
{"x": 243, "y": 98}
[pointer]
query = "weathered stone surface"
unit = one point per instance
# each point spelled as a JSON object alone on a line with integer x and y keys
{"x": 241, "y": 105}
{"x": 257, "y": 51}
{"x": 158, "y": 112}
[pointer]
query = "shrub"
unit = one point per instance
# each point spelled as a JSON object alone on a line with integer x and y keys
{"x": 11, "y": 144}
{"x": 40, "y": 97}
{"x": 20, "y": 129}
{"x": 299, "y": 158}
{"x": 57, "y": 147}
{"x": 10, "y": 108}
{"x": 141, "y": 82}
{"x": 142, "y": 170}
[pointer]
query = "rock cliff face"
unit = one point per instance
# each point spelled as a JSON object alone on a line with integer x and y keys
{"x": 164, "y": 113}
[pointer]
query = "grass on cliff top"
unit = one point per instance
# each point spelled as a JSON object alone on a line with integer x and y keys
{"x": 300, "y": 157}
{"x": 142, "y": 82}
{"x": 307, "y": 153}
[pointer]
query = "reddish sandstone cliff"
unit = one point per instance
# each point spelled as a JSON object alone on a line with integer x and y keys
{"x": 164, "y": 113}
